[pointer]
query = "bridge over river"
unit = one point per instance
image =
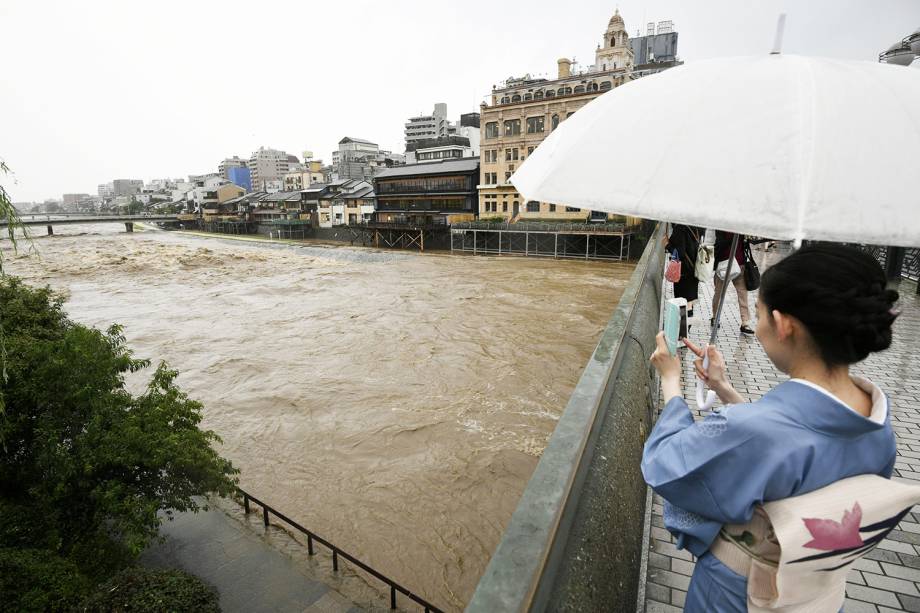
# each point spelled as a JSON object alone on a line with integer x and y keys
{"x": 70, "y": 219}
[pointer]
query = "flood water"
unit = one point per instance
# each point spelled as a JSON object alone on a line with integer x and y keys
{"x": 394, "y": 402}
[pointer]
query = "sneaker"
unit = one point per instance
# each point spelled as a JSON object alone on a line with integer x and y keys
{"x": 712, "y": 320}
{"x": 746, "y": 329}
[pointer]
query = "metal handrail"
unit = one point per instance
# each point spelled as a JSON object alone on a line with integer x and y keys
{"x": 336, "y": 552}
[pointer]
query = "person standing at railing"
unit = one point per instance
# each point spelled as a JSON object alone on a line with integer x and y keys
{"x": 821, "y": 309}
{"x": 734, "y": 271}
{"x": 686, "y": 241}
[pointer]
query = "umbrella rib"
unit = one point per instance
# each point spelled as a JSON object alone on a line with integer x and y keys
{"x": 807, "y": 125}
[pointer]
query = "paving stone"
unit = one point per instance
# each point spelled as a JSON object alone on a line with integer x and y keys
{"x": 910, "y": 603}
{"x": 885, "y": 610}
{"x": 907, "y": 559}
{"x": 904, "y": 536}
{"x": 678, "y": 598}
{"x": 659, "y": 607}
{"x": 670, "y": 550}
{"x": 682, "y": 567}
{"x": 881, "y": 555}
{"x": 901, "y": 572}
{"x": 869, "y": 566}
{"x": 873, "y": 595}
{"x": 665, "y": 577}
{"x": 858, "y": 606}
{"x": 653, "y": 591}
{"x": 897, "y": 546}
{"x": 656, "y": 560}
{"x": 892, "y": 584}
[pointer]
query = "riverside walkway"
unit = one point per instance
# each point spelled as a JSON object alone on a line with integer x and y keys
{"x": 887, "y": 578}
{"x": 249, "y": 573}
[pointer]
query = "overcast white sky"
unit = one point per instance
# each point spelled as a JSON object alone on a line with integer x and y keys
{"x": 97, "y": 90}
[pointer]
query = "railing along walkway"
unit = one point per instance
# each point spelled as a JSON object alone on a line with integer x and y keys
{"x": 267, "y": 511}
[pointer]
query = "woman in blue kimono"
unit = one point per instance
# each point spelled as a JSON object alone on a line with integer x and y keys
{"x": 820, "y": 310}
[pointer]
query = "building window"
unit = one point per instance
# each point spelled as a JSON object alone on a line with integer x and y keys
{"x": 528, "y": 97}
{"x": 516, "y": 98}
{"x": 552, "y": 208}
{"x": 572, "y": 209}
{"x": 533, "y": 207}
{"x": 538, "y": 95}
{"x": 580, "y": 89}
{"x": 569, "y": 114}
{"x": 594, "y": 87}
{"x": 550, "y": 94}
{"x": 492, "y": 129}
{"x": 505, "y": 100}
{"x": 504, "y": 207}
{"x": 529, "y": 150}
{"x": 560, "y": 91}
{"x": 507, "y": 155}
{"x": 605, "y": 85}
{"x": 507, "y": 176}
{"x": 512, "y": 127}
{"x": 555, "y": 121}
{"x": 535, "y": 125}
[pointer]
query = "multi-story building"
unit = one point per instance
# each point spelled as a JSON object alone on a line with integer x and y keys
{"x": 268, "y": 167}
{"x": 656, "y": 51}
{"x": 69, "y": 200}
{"x": 126, "y": 187}
{"x": 524, "y": 111}
{"x": 240, "y": 175}
{"x": 355, "y": 159}
{"x": 446, "y": 147}
{"x": 436, "y": 125}
{"x": 106, "y": 190}
{"x": 426, "y": 127}
{"x": 428, "y": 193}
{"x": 300, "y": 179}
{"x": 229, "y": 163}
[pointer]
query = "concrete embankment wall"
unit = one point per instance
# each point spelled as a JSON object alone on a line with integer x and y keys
{"x": 574, "y": 542}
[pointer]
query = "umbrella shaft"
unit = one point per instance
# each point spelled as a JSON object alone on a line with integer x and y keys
{"x": 725, "y": 282}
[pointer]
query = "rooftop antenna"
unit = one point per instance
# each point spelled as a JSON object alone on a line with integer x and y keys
{"x": 778, "y": 40}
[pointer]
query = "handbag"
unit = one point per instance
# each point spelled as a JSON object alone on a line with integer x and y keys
{"x": 751, "y": 272}
{"x": 722, "y": 267}
{"x": 672, "y": 269}
{"x": 705, "y": 260}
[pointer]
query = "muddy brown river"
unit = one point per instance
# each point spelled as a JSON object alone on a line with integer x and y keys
{"x": 393, "y": 402}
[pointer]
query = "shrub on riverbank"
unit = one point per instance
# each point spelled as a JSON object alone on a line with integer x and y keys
{"x": 86, "y": 468}
{"x": 139, "y": 589}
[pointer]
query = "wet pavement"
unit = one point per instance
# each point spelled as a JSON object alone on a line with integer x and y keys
{"x": 249, "y": 573}
{"x": 887, "y": 578}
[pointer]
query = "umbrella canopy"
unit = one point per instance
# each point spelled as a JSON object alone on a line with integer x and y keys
{"x": 780, "y": 146}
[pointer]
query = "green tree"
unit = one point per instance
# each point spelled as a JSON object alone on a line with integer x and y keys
{"x": 88, "y": 467}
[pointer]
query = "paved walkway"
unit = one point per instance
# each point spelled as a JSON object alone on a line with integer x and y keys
{"x": 249, "y": 574}
{"x": 887, "y": 578}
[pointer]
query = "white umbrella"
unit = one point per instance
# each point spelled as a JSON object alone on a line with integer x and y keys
{"x": 781, "y": 146}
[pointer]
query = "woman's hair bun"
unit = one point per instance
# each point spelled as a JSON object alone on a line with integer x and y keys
{"x": 839, "y": 293}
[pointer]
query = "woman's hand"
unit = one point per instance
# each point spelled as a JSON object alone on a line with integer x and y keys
{"x": 714, "y": 377}
{"x": 668, "y": 367}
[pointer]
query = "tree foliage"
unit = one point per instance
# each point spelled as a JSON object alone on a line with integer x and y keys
{"x": 87, "y": 466}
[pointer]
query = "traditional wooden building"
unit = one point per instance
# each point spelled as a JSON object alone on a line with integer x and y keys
{"x": 441, "y": 192}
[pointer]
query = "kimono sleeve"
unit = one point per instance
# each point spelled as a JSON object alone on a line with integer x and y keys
{"x": 717, "y": 468}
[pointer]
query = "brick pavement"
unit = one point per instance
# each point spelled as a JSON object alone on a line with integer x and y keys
{"x": 887, "y": 578}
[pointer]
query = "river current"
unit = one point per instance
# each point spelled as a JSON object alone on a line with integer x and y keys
{"x": 393, "y": 402}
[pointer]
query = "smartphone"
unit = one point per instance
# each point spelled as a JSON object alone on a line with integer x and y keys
{"x": 672, "y": 322}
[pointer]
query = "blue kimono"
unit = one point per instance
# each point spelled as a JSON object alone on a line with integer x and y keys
{"x": 795, "y": 439}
